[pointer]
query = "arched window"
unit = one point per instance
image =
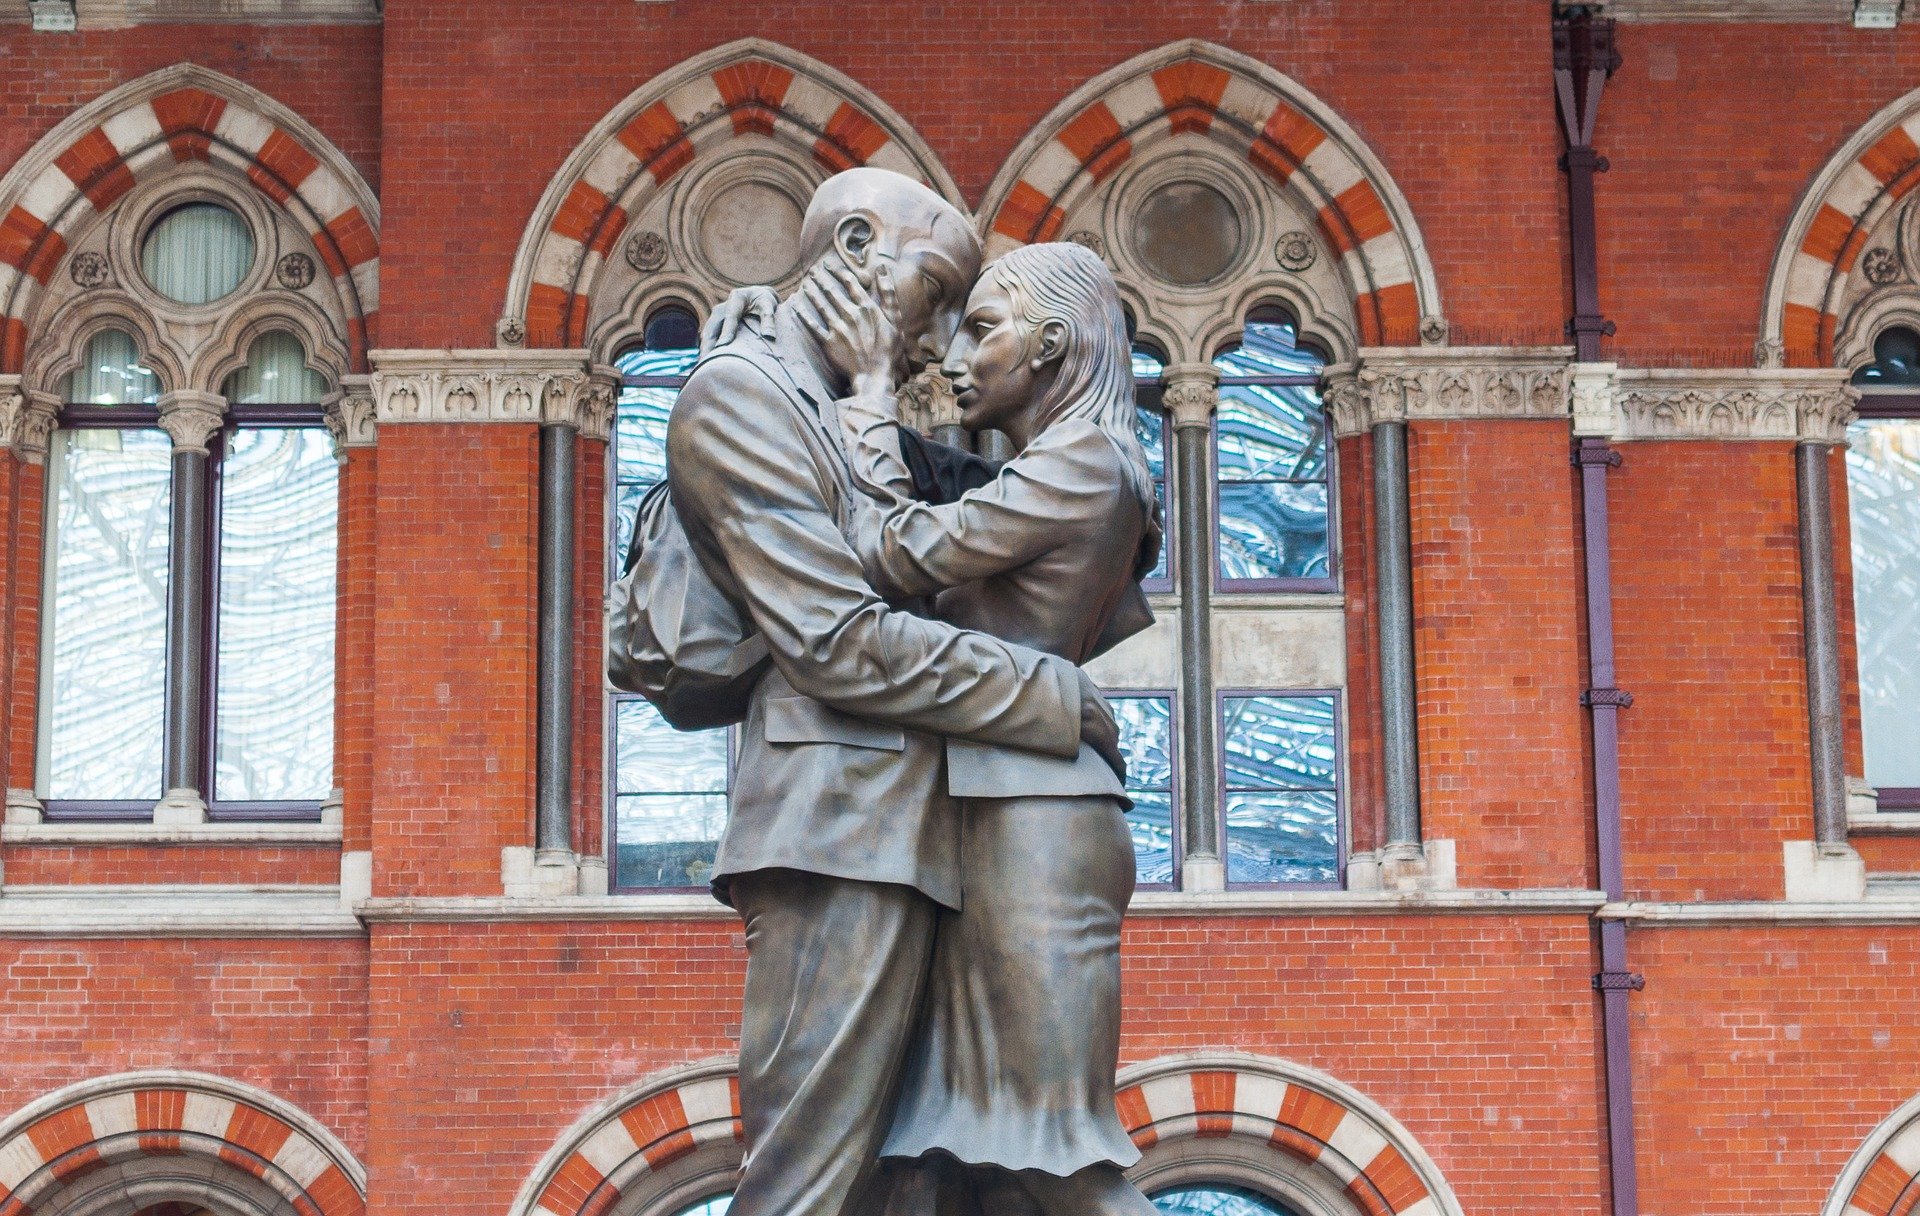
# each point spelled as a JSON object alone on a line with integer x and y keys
{"x": 1270, "y": 458}
{"x": 669, "y": 789}
{"x": 715, "y": 1206}
{"x": 1883, "y": 492}
{"x": 1208, "y": 1199}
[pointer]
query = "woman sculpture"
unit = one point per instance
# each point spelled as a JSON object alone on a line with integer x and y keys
{"x": 1012, "y": 1077}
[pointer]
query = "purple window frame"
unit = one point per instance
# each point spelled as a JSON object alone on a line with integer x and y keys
{"x": 80, "y": 417}
{"x": 1331, "y": 582}
{"x": 1177, "y": 841}
{"x": 1220, "y": 699}
{"x": 1904, "y": 405}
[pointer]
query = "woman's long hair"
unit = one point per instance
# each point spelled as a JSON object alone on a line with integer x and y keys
{"x": 1068, "y": 283}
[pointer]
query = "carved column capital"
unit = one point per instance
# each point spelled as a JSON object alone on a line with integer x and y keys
{"x": 348, "y": 412}
{"x": 1734, "y": 404}
{"x": 584, "y": 401}
{"x": 1192, "y": 393}
{"x": 27, "y": 419}
{"x": 1398, "y": 384}
{"x": 191, "y": 418}
{"x": 1592, "y": 388}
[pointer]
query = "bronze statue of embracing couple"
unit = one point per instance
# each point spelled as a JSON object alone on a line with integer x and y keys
{"x": 927, "y": 841}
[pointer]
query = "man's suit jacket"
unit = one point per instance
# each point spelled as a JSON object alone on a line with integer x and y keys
{"x": 839, "y": 768}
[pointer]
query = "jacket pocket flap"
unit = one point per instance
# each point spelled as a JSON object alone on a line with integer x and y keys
{"x": 804, "y": 720}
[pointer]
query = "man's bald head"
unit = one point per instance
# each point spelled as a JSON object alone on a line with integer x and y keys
{"x": 898, "y": 207}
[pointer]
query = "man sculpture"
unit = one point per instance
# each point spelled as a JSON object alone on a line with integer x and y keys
{"x": 842, "y": 845}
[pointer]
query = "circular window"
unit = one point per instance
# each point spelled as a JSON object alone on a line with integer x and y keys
{"x": 197, "y": 253}
{"x": 1218, "y": 1201}
{"x": 1187, "y": 233}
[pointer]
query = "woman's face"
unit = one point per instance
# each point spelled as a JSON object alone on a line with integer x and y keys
{"x": 991, "y": 361}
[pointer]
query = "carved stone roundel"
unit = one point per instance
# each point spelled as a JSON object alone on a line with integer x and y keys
{"x": 1090, "y": 240}
{"x": 90, "y": 269}
{"x": 1881, "y": 265}
{"x": 647, "y": 251}
{"x": 294, "y": 271}
{"x": 1296, "y": 251}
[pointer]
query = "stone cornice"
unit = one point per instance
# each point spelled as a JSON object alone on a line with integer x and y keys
{"x": 1728, "y": 404}
{"x": 175, "y": 910}
{"x": 1444, "y": 383}
{"x": 540, "y": 387}
{"x": 1828, "y": 12}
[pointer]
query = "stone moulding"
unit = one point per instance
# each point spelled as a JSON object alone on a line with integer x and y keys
{"x": 1400, "y": 384}
{"x": 468, "y": 386}
{"x": 1812, "y": 406}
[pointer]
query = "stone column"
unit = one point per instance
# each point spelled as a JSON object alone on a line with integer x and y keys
{"x": 1393, "y": 577}
{"x": 1192, "y": 394}
{"x": 191, "y": 419}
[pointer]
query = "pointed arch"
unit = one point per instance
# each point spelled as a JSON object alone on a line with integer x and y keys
{"x": 1327, "y": 1127}
{"x": 1883, "y": 1177}
{"x": 174, "y": 116}
{"x": 1802, "y": 317}
{"x": 273, "y": 1150}
{"x": 1296, "y": 143}
{"x": 749, "y": 87}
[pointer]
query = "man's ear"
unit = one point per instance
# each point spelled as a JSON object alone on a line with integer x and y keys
{"x": 1053, "y": 343}
{"x": 853, "y": 239}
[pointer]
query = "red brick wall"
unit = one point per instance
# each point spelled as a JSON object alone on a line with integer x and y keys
{"x": 289, "y": 1017}
{"x": 52, "y": 865}
{"x": 589, "y": 680}
{"x": 1765, "y": 1055}
{"x": 1365, "y": 803}
{"x": 1713, "y": 754}
{"x": 454, "y": 654}
{"x": 355, "y": 722}
{"x": 477, "y": 122}
{"x": 1496, "y": 576}
{"x": 327, "y": 74}
{"x": 24, "y": 487}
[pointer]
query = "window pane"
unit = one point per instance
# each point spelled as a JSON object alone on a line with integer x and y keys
{"x": 1146, "y": 739}
{"x": 640, "y": 435}
{"x": 1270, "y": 430}
{"x": 274, "y": 697}
{"x": 1218, "y": 1201}
{"x": 276, "y": 374}
{"x": 1150, "y": 427}
{"x": 1267, "y": 349}
{"x": 670, "y": 802}
{"x": 716, "y": 1206}
{"x": 104, "y": 663}
{"x": 1896, "y": 360}
{"x": 1883, "y": 480}
{"x": 110, "y": 373}
{"x": 197, "y": 253}
{"x": 1273, "y": 529}
{"x": 1282, "y": 811}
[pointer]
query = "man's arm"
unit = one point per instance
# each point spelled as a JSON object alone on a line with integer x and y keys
{"x": 746, "y": 485}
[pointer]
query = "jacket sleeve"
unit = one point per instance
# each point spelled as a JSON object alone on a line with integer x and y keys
{"x": 1054, "y": 491}
{"x": 751, "y": 495}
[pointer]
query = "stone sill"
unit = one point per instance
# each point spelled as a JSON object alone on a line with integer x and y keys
{"x": 1545, "y": 902}
{"x": 1880, "y": 907}
{"x": 1884, "y": 823}
{"x": 171, "y": 834}
{"x": 461, "y": 909}
{"x": 1255, "y": 601}
{"x": 176, "y": 910}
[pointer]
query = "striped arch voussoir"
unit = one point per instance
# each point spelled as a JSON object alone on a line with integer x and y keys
{"x": 1883, "y": 1179}
{"x": 1308, "y": 1118}
{"x": 140, "y": 130}
{"x": 745, "y": 88}
{"x": 114, "y": 1124}
{"x": 1196, "y": 89}
{"x": 1852, "y": 194}
{"x": 631, "y": 1138}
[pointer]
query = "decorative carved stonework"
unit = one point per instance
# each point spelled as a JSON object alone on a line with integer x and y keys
{"x": 1091, "y": 240}
{"x": 1345, "y": 401}
{"x": 493, "y": 386}
{"x": 89, "y": 270}
{"x": 1192, "y": 393}
{"x": 348, "y": 413}
{"x": 1296, "y": 251}
{"x": 646, "y": 251}
{"x": 1592, "y": 395}
{"x": 294, "y": 271}
{"x": 1812, "y": 406}
{"x": 927, "y": 401}
{"x": 191, "y": 418}
{"x": 1881, "y": 265}
{"x": 1433, "y": 331}
{"x": 1769, "y": 354}
{"x": 510, "y": 331}
{"x": 1394, "y": 384}
{"x": 27, "y": 420}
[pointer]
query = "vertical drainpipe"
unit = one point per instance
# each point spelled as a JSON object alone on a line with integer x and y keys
{"x": 1584, "y": 57}
{"x": 553, "y": 802}
{"x": 1393, "y": 572}
{"x": 190, "y": 420}
{"x": 1192, "y": 392}
{"x": 1822, "y": 637}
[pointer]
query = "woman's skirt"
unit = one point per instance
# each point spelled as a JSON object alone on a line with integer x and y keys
{"x": 1014, "y": 1066}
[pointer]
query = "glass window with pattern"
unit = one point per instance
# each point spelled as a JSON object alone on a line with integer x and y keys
{"x": 1280, "y": 796}
{"x": 269, "y": 576}
{"x": 1211, "y": 1199}
{"x": 668, "y": 788}
{"x": 1150, "y": 426}
{"x": 1146, "y": 739}
{"x": 1883, "y": 490}
{"x": 1271, "y": 463}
